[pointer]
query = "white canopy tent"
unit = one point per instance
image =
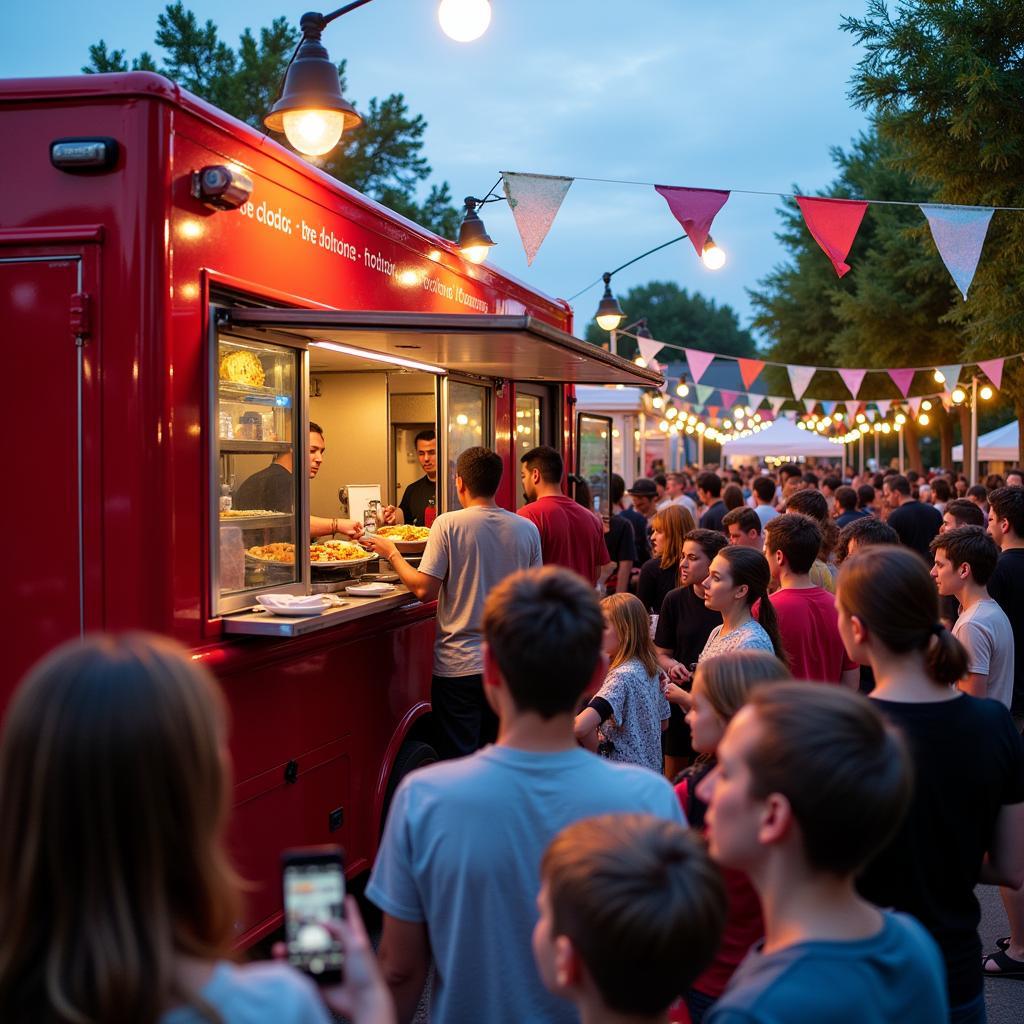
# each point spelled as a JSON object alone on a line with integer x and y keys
{"x": 999, "y": 445}
{"x": 783, "y": 438}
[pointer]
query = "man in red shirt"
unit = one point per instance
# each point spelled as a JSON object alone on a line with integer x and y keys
{"x": 570, "y": 535}
{"x": 808, "y": 622}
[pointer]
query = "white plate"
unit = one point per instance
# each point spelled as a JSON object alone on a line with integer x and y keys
{"x": 369, "y": 589}
{"x": 293, "y": 604}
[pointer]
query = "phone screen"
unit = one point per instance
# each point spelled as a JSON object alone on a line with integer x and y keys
{"x": 314, "y": 892}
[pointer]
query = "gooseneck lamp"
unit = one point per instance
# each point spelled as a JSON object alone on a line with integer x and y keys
{"x": 609, "y": 312}
{"x": 310, "y": 110}
{"x": 474, "y": 242}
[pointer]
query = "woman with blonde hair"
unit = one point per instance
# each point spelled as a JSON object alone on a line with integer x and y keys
{"x": 660, "y": 574}
{"x": 117, "y": 901}
{"x": 626, "y": 717}
{"x": 721, "y": 686}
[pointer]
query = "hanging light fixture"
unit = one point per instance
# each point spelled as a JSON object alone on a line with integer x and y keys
{"x": 958, "y": 395}
{"x": 712, "y": 255}
{"x": 609, "y": 313}
{"x": 682, "y": 388}
{"x": 474, "y": 242}
{"x": 464, "y": 20}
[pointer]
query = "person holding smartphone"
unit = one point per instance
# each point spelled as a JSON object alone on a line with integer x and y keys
{"x": 117, "y": 899}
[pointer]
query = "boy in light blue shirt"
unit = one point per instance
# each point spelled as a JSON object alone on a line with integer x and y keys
{"x": 810, "y": 784}
{"x": 458, "y": 870}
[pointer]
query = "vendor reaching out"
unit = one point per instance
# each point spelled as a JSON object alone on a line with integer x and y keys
{"x": 273, "y": 488}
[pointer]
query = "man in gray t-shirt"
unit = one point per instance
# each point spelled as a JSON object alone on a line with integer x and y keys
{"x": 468, "y": 553}
{"x": 458, "y": 870}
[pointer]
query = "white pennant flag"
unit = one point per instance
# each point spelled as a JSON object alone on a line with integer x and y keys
{"x": 959, "y": 234}
{"x": 951, "y": 373}
{"x": 777, "y": 403}
{"x": 884, "y": 406}
{"x": 535, "y": 200}
{"x": 915, "y": 404}
{"x": 810, "y": 403}
{"x": 649, "y": 349}
{"x": 799, "y": 378}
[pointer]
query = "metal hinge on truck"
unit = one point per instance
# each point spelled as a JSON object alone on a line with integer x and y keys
{"x": 81, "y": 319}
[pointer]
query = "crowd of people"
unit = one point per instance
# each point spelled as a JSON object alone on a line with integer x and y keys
{"x": 739, "y": 752}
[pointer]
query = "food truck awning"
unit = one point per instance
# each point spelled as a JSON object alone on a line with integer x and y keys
{"x": 518, "y": 347}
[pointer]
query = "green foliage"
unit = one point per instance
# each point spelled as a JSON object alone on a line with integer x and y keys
{"x": 676, "y": 317}
{"x": 382, "y": 158}
{"x": 945, "y": 80}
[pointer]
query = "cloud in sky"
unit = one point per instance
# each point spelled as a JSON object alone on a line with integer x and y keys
{"x": 741, "y": 94}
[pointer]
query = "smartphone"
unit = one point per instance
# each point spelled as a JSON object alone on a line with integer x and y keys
{"x": 314, "y": 893}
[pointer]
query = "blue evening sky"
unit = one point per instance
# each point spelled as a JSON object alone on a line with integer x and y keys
{"x": 734, "y": 94}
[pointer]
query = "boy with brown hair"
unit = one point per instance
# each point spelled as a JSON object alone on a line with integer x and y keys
{"x": 631, "y": 911}
{"x": 810, "y": 784}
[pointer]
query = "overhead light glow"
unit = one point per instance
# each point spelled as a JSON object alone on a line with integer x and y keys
{"x": 380, "y": 357}
{"x": 464, "y": 20}
{"x": 313, "y": 132}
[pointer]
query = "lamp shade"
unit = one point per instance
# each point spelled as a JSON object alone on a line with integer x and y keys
{"x": 311, "y": 108}
{"x": 474, "y": 242}
{"x": 609, "y": 313}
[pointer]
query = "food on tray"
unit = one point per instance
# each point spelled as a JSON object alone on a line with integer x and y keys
{"x": 249, "y": 513}
{"x": 241, "y": 367}
{"x": 404, "y": 534}
{"x": 329, "y": 551}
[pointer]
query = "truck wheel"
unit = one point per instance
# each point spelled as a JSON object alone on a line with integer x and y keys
{"x": 412, "y": 754}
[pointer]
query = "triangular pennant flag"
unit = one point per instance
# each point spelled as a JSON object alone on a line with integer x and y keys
{"x": 729, "y": 398}
{"x": 959, "y": 234}
{"x": 884, "y": 406}
{"x": 829, "y": 407}
{"x": 853, "y": 379}
{"x": 993, "y": 369}
{"x": 777, "y": 403}
{"x": 810, "y": 403}
{"x": 902, "y": 379}
{"x": 915, "y": 404}
{"x": 695, "y": 209}
{"x": 951, "y": 373}
{"x": 535, "y": 200}
{"x": 754, "y": 401}
{"x": 834, "y": 224}
{"x": 698, "y": 362}
{"x": 703, "y": 393}
{"x": 713, "y": 410}
{"x": 649, "y": 349}
{"x": 799, "y": 378}
{"x": 947, "y": 402}
{"x": 749, "y": 370}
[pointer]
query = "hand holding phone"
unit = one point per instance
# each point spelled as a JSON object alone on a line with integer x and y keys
{"x": 314, "y": 897}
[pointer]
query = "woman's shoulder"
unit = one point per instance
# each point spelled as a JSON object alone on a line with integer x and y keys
{"x": 258, "y": 993}
{"x": 756, "y": 636}
{"x": 632, "y": 670}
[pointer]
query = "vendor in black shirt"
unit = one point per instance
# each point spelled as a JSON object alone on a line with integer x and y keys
{"x": 273, "y": 489}
{"x": 419, "y": 494}
{"x": 683, "y": 629}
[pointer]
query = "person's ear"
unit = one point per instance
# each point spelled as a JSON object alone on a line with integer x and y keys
{"x": 740, "y": 593}
{"x": 568, "y": 965}
{"x": 492, "y": 673}
{"x": 776, "y": 820}
{"x": 859, "y": 630}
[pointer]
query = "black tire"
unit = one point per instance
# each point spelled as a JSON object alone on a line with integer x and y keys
{"x": 412, "y": 754}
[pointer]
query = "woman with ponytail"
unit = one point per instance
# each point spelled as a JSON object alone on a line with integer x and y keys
{"x": 739, "y": 578}
{"x": 966, "y": 820}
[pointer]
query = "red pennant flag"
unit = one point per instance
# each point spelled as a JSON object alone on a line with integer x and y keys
{"x": 728, "y": 398}
{"x": 834, "y": 224}
{"x": 713, "y": 410}
{"x": 749, "y": 370}
{"x": 902, "y": 380}
{"x": 695, "y": 209}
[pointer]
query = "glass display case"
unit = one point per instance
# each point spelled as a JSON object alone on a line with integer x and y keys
{"x": 255, "y": 487}
{"x": 594, "y": 458}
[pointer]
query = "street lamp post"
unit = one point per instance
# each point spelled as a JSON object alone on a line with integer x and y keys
{"x": 974, "y": 429}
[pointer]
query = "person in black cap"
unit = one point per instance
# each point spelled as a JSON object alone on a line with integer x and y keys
{"x": 645, "y": 499}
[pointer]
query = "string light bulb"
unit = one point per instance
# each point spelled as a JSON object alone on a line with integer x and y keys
{"x": 926, "y": 405}
{"x": 958, "y": 395}
{"x": 464, "y": 20}
{"x": 923, "y": 419}
{"x": 986, "y": 392}
{"x": 712, "y": 255}
{"x": 682, "y": 389}
{"x": 939, "y": 377}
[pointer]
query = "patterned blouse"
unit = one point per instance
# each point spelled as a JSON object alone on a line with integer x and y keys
{"x": 751, "y": 636}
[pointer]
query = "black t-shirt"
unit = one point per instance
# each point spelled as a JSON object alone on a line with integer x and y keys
{"x": 932, "y": 865}
{"x": 712, "y": 518}
{"x": 414, "y": 501}
{"x": 620, "y": 541}
{"x": 1006, "y": 587}
{"x": 643, "y": 542}
{"x": 655, "y": 583}
{"x": 272, "y": 489}
{"x": 684, "y": 625}
{"x": 851, "y": 517}
{"x": 917, "y": 525}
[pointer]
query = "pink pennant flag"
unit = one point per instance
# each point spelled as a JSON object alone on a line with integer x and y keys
{"x": 649, "y": 349}
{"x": 993, "y": 369}
{"x": 884, "y": 406}
{"x": 902, "y": 379}
{"x": 695, "y": 209}
{"x": 729, "y": 398}
{"x": 915, "y": 405}
{"x": 698, "y": 362}
{"x": 777, "y": 403}
{"x": 535, "y": 200}
{"x": 749, "y": 370}
{"x": 810, "y": 403}
{"x": 834, "y": 224}
{"x": 799, "y": 378}
{"x": 853, "y": 380}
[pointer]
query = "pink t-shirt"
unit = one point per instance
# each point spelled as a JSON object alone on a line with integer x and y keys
{"x": 809, "y": 627}
{"x": 570, "y": 535}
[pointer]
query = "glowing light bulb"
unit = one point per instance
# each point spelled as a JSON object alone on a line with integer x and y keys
{"x": 671, "y": 412}
{"x": 923, "y": 419}
{"x": 861, "y": 417}
{"x": 838, "y": 417}
{"x": 863, "y": 428}
{"x": 313, "y": 132}
{"x": 939, "y": 377}
{"x": 986, "y": 392}
{"x": 478, "y": 253}
{"x": 464, "y": 20}
{"x": 657, "y": 401}
{"x": 802, "y": 425}
{"x": 682, "y": 390}
{"x": 663, "y": 426}
{"x": 700, "y": 428}
{"x": 462, "y": 419}
{"x": 712, "y": 256}
{"x": 958, "y": 395}
{"x": 886, "y": 429}
{"x": 640, "y": 361}
{"x": 900, "y": 419}
{"x": 738, "y": 412}
{"x": 727, "y": 424}
{"x": 878, "y": 428}
{"x": 926, "y": 405}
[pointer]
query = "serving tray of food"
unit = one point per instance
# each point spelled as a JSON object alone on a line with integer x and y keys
{"x": 408, "y": 539}
{"x": 330, "y": 554}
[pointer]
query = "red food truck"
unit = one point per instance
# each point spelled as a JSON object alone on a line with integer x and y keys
{"x": 180, "y": 296}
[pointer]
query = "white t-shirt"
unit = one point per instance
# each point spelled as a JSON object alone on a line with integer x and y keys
{"x": 987, "y": 634}
{"x": 471, "y": 551}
